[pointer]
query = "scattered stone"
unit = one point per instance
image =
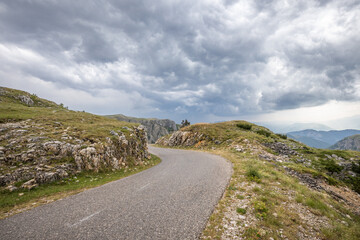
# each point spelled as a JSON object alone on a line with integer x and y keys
{"x": 11, "y": 188}
{"x": 114, "y": 133}
{"x": 30, "y": 184}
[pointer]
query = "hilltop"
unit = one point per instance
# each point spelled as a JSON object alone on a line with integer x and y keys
{"x": 348, "y": 143}
{"x": 44, "y": 143}
{"x": 280, "y": 188}
{"x": 156, "y": 128}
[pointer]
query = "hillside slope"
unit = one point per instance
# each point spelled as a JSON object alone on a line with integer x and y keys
{"x": 156, "y": 128}
{"x": 42, "y": 142}
{"x": 321, "y": 139}
{"x": 348, "y": 143}
{"x": 280, "y": 189}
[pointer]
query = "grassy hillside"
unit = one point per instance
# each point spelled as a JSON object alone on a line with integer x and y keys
{"x": 280, "y": 188}
{"x": 50, "y": 115}
{"x": 48, "y": 151}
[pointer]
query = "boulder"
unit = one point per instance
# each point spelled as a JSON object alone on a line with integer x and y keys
{"x": 26, "y": 99}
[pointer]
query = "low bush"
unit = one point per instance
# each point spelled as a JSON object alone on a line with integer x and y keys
{"x": 263, "y": 132}
{"x": 331, "y": 166}
{"x": 260, "y": 209}
{"x": 245, "y": 126}
{"x": 283, "y": 136}
{"x": 253, "y": 174}
{"x": 241, "y": 211}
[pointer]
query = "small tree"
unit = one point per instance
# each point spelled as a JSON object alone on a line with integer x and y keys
{"x": 184, "y": 123}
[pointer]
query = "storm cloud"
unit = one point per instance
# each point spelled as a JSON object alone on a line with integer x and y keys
{"x": 178, "y": 59}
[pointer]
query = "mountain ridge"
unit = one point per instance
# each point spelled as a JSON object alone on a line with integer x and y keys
{"x": 321, "y": 139}
{"x": 348, "y": 143}
{"x": 156, "y": 128}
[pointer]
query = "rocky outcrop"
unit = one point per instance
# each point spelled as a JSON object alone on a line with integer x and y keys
{"x": 181, "y": 138}
{"x": 156, "y": 128}
{"x": 34, "y": 159}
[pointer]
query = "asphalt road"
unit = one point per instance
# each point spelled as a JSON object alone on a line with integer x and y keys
{"x": 172, "y": 200}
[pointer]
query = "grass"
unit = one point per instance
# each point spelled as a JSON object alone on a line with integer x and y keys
{"x": 253, "y": 174}
{"x": 55, "y": 117}
{"x": 12, "y": 202}
{"x": 270, "y": 189}
{"x": 267, "y": 202}
{"x": 241, "y": 210}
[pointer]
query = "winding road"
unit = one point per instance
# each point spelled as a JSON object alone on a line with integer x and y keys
{"x": 172, "y": 200}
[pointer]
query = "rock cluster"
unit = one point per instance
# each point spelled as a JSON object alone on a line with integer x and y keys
{"x": 181, "y": 138}
{"x": 36, "y": 159}
{"x": 281, "y": 148}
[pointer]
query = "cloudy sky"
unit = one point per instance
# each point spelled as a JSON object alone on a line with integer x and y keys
{"x": 208, "y": 60}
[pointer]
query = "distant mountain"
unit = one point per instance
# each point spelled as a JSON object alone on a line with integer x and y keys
{"x": 321, "y": 139}
{"x": 285, "y": 128}
{"x": 156, "y": 128}
{"x": 310, "y": 141}
{"x": 348, "y": 143}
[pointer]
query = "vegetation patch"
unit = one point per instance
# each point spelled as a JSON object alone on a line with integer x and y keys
{"x": 274, "y": 180}
{"x": 241, "y": 210}
{"x": 263, "y": 132}
{"x": 244, "y": 126}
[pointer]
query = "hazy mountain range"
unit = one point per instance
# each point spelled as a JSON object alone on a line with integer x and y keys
{"x": 321, "y": 139}
{"x": 285, "y": 128}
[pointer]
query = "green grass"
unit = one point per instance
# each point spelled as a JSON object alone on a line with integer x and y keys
{"x": 74, "y": 184}
{"x": 253, "y": 174}
{"x": 54, "y": 117}
{"x": 241, "y": 211}
{"x": 269, "y": 186}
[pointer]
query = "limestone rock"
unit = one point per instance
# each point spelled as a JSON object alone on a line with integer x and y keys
{"x": 11, "y": 188}
{"x": 155, "y": 128}
{"x": 30, "y": 184}
{"x": 27, "y": 100}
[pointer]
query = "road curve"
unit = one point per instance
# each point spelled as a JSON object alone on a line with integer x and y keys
{"x": 172, "y": 200}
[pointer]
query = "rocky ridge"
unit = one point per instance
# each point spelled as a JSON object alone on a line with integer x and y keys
{"x": 156, "y": 128}
{"x": 348, "y": 143}
{"x": 56, "y": 143}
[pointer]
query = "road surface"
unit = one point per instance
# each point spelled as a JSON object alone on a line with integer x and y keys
{"x": 172, "y": 200}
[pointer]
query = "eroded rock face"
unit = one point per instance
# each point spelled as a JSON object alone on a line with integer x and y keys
{"x": 38, "y": 160}
{"x": 181, "y": 138}
{"x": 155, "y": 128}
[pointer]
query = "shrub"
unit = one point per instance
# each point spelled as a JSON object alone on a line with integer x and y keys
{"x": 184, "y": 123}
{"x": 356, "y": 167}
{"x": 283, "y": 136}
{"x": 331, "y": 166}
{"x": 263, "y": 132}
{"x": 253, "y": 174}
{"x": 245, "y": 126}
{"x": 241, "y": 211}
{"x": 260, "y": 209}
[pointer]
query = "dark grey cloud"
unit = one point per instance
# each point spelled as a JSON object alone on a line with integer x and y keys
{"x": 185, "y": 58}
